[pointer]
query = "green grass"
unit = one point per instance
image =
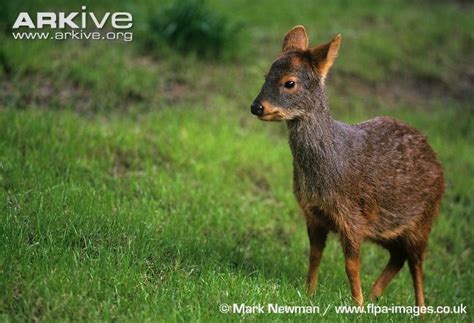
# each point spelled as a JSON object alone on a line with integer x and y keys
{"x": 139, "y": 187}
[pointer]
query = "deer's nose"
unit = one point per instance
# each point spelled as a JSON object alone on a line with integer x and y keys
{"x": 256, "y": 108}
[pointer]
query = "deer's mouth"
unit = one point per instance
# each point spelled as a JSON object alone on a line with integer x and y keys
{"x": 271, "y": 112}
{"x": 272, "y": 116}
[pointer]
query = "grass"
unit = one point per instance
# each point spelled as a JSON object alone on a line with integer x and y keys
{"x": 140, "y": 188}
{"x": 192, "y": 28}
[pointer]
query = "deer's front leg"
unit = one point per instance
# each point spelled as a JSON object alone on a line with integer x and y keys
{"x": 317, "y": 239}
{"x": 351, "y": 248}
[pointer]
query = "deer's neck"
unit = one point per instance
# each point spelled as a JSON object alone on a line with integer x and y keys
{"x": 318, "y": 148}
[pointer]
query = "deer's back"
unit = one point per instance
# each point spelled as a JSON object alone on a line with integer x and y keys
{"x": 397, "y": 157}
{"x": 399, "y": 180}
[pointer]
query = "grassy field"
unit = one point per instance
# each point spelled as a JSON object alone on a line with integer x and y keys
{"x": 135, "y": 185}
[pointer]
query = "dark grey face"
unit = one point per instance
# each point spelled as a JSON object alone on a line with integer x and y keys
{"x": 288, "y": 89}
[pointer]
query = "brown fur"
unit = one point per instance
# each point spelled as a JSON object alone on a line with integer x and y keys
{"x": 378, "y": 180}
{"x": 296, "y": 38}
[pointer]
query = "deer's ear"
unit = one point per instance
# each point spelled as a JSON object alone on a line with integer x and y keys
{"x": 325, "y": 55}
{"x": 295, "y": 39}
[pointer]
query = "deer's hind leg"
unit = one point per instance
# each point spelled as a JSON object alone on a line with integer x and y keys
{"x": 394, "y": 265}
{"x": 415, "y": 256}
{"x": 416, "y": 243}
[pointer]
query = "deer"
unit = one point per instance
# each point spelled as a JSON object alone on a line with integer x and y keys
{"x": 378, "y": 180}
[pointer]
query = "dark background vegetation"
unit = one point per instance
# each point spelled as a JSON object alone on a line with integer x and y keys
{"x": 135, "y": 184}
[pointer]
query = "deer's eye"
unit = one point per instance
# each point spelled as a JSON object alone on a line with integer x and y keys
{"x": 289, "y": 84}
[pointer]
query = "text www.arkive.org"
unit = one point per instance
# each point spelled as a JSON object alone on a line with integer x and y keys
{"x": 75, "y": 35}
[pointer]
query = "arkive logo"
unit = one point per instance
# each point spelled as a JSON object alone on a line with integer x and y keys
{"x": 119, "y": 20}
{"x": 76, "y": 22}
